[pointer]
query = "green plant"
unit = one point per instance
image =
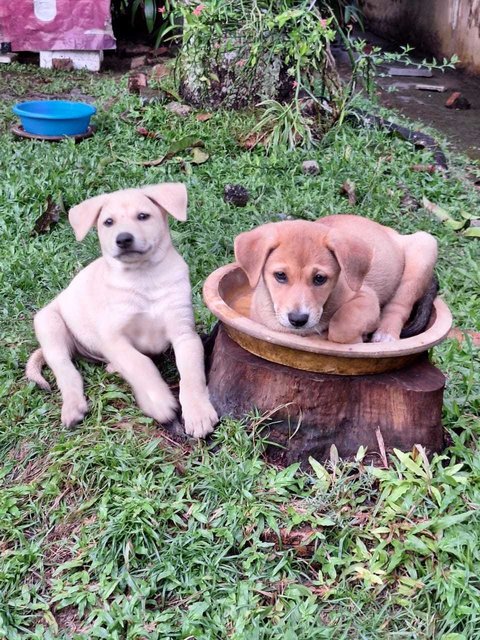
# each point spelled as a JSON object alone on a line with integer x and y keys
{"x": 367, "y": 62}
{"x": 150, "y": 10}
{"x": 284, "y": 125}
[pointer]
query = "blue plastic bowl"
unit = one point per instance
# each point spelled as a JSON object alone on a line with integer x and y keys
{"x": 54, "y": 117}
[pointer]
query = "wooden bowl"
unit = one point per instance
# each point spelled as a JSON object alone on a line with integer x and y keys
{"x": 228, "y": 296}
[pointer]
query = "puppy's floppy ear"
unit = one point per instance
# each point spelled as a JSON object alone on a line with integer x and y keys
{"x": 83, "y": 216}
{"x": 170, "y": 196}
{"x": 353, "y": 255}
{"x": 252, "y": 249}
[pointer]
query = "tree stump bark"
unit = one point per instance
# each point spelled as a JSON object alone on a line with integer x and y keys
{"x": 224, "y": 79}
{"x": 312, "y": 411}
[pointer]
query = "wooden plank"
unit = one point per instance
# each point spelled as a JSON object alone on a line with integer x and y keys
{"x": 413, "y": 72}
{"x": 440, "y": 88}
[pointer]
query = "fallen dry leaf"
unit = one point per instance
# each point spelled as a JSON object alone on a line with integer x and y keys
{"x": 427, "y": 168}
{"x": 124, "y": 117}
{"x": 348, "y": 188}
{"x": 472, "y": 232}
{"x": 381, "y": 447}
{"x": 50, "y": 217}
{"x": 187, "y": 142}
{"x": 148, "y": 134}
{"x": 442, "y": 214}
{"x": 251, "y": 141}
{"x": 199, "y": 156}
{"x": 301, "y": 540}
{"x": 459, "y": 335}
{"x": 203, "y": 117}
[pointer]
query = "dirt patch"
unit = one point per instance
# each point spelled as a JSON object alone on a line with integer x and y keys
{"x": 462, "y": 128}
{"x": 31, "y": 472}
{"x": 59, "y": 544}
{"x": 67, "y": 620}
{"x": 20, "y": 452}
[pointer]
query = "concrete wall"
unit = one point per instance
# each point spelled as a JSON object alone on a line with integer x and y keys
{"x": 439, "y": 27}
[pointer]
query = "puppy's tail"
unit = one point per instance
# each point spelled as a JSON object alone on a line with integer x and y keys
{"x": 421, "y": 312}
{"x": 33, "y": 370}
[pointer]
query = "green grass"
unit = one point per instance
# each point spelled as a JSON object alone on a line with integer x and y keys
{"x": 112, "y": 531}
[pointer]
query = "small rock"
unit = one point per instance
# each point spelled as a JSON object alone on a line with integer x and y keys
{"x": 151, "y": 96}
{"x": 159, "y": 52}
{"x": 457, "y": 101}
{"x": 138, "y": 61}
{"x": 282, "y": 216}
{"x": 236, "y": 194}
{"x": 137, "y": 81}
{"x": 475, "y": 223}
{"x": 178, "y": 108}
{"x": 7, "y": 58}
{"x": 132, "y": 49}
{"x": 310, "y": 167}
{"x": 65, "y": 64}
{"x": 160, "y": 71}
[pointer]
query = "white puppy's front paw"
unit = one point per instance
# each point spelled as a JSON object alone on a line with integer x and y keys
{"x": 159, "y": 405}
{"x": 383, "y": 336}
{"x": 73, "y": 411}
{"x": 199, "y": 417}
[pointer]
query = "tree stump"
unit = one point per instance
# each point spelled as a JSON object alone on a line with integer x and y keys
{"x": 312, "y": 411}
{"x": 224, "y": 79}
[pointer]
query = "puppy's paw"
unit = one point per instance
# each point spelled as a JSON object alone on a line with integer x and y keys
{"x": 199, "y": 417}
{"x": 344, "y": 335}
{"x": 383, "y": 336}
{"x": 159, "y": 405}
{"x": 73, "y": 411}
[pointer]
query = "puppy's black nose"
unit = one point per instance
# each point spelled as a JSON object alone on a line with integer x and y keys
{"x": 124, "y": 240}
{"x": 298, "y": 319}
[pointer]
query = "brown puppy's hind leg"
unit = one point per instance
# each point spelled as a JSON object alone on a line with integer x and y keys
{"x": 355, "y": 318}
{"x": 420, "y": 257}
{"x": 57, "y": 348}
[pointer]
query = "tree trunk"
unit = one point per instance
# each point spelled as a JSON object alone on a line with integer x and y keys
{"x": 312, "y": 411}
{"x": 225, "y": 78}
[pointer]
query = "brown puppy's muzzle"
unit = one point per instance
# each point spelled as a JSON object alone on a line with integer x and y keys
{"x": 298, "y": 319}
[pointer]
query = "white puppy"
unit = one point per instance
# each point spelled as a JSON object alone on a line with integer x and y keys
{"x": 126, "y": 306}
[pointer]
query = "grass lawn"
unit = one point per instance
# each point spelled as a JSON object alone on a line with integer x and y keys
{"x": 113, "y": 531}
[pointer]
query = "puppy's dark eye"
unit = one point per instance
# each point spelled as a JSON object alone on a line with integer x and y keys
{"x": 318, "y": 279}
{"x": 143, "y": 216}
{"x": 280, "y": 276}
{"x": 108, "y": 222}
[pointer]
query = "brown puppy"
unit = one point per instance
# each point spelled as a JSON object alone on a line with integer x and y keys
{"x": 342, "y": 277}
